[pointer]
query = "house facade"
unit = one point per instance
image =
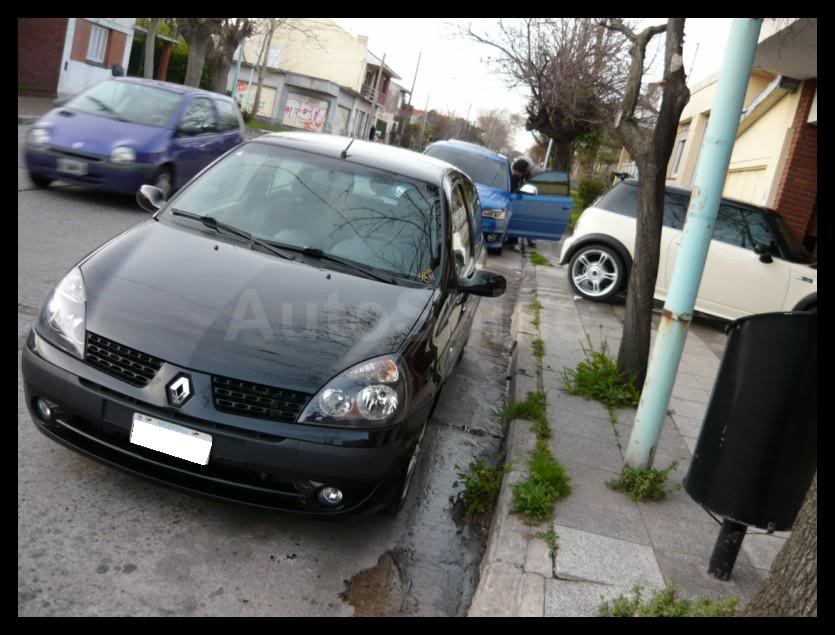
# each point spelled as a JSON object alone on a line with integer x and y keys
{"x": 774, "y": 159}
{"x": 64, "y": 56}
{"x": 318, "y": 77}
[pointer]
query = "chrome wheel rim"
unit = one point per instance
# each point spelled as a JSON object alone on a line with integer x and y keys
{"x": 595, "y": 273}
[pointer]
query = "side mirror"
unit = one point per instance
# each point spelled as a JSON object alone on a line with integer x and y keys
{"x": 764, "y": 252}
{"x": 484, "y": 283}
{"x": 527, "y": 188}
{"x": 150, "y": 198}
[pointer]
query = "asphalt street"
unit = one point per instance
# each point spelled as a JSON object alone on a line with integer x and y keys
{"x": 95, "y": 541}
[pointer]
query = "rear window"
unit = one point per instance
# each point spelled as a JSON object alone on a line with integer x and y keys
{"x": 480, "y": 169}
{"x": 623, "y": 199}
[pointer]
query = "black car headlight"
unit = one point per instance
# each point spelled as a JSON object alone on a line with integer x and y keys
{"x": 371, "y": 394}
{"x": 63, "y": 317}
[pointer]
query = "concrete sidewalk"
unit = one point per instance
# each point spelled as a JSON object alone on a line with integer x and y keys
{"x": 607, "y": 543}
{"x": 30, "y": 109}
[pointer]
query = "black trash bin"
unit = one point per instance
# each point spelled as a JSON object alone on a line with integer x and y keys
{"x": 757, "y": 451}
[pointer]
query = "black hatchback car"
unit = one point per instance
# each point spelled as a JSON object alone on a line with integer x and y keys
{"x": 277, "y": 334}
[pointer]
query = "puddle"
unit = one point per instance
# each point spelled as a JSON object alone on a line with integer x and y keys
{"x": 381, "y": 591}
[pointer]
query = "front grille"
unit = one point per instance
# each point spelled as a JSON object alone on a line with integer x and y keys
{"x": 87, "y": 156}
{"x": 129, "y": 365}
{"x": 254, "y": 400}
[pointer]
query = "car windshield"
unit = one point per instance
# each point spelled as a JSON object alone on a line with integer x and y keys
{"x": 480, "y": 169}
{"x": 303, "y": 200}
{"x": 126, "y": 101}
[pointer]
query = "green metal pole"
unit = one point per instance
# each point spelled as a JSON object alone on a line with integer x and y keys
{"x": 237, "y": 72}
{"x": 698, "y": 228}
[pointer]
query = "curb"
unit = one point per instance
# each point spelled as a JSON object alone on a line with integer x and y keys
{"x": 506, "y": 588}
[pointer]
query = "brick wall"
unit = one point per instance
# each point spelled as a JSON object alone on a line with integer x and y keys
{"x": 40, "y": 45}
{"x": 798, "y": 189}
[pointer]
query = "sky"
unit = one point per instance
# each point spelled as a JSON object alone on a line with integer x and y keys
{"x": 453, "y": 75}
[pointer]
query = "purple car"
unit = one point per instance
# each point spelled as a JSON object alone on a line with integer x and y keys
{"x": 127, "y": 132}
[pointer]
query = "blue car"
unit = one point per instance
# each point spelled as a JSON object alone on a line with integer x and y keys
{"x": 540, "y": 210}
{"x": 126, "y": 132}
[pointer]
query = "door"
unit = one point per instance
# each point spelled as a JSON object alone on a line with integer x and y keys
{"x": 456, "y": 316}
{"x": 539, "y": 216}
{"x": 735, "y": 281}
{"x": 197, "y": 141}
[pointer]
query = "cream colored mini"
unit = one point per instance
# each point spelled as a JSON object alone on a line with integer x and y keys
{"x": 754, "y": 264}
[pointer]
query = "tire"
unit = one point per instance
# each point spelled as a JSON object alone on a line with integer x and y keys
{"x": 164, "y": 180}
{"x": 40, "y": 181}
{"x": 404, "y": 482}
{"x": 596, "y": 272}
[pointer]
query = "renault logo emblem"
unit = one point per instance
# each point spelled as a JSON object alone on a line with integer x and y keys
{"x": 179, "y": 390}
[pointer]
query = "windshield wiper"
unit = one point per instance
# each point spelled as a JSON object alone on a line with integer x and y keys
{"x": 213, "y": 223}
{"x": 106, "y": 108}
{"x": 314, "y": 252}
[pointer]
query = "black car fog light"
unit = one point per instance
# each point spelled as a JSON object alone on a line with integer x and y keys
{"x": 43, "y": 409}
{"x": 330, "y": 496}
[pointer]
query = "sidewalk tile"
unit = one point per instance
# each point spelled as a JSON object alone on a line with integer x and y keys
{"x": 699, "y": 395}
{"x": 569, "y": 449}
{"x": 688, "y": 426}
{"x": 578, "y": 599}
{"x": 687, "y": 408}
{"x": 689, "y": 576}
{"x": 594, "y": 507}
{"x": 687, "y": 380}
{"x": 597, "y": 558}
{"x": 582, "y": 426}
{"x": 761, "y": 548}
{"x": 559, "y": 400}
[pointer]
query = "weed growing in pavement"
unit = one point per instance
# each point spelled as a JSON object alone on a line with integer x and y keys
{"x": 481, "y": 483}
{"x": 643, "y": 485}
{"x": 538, "y": 259}
{"x": 536, "y": 307}
{"x": 598, "y": 377}
{"x": 538, "y": 348}
{"x": 532, "y": 409}
{"x": 547, "y": 482}
{"x": 665, "y": 603}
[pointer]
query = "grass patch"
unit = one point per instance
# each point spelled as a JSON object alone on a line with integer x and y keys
{"x": 481, "y": 483}
{"x": 532, "y": 409}
{"x": 642, "y": 485}
{"x": 539, "y": 259}
{"x": 598, "y": 377}
{"x": 664, "y": 603}
{"x": 546, "y": 484}
{"x": 536, "y": 307}
{"x": 576, "y": 210}
{"x": 538, "y": 348}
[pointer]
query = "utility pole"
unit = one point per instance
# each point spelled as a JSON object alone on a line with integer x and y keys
{"x": 409, "y": 105}
{"x": 425, "y": 113}
{"x": 375, "y": 95}
{"x": 467, "y": 132}
{"x": 547, "y": 154}
{"x": 237, "y": 73}
{"x": 689, "y": 266}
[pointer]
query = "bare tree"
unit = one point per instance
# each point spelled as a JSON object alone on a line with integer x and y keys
{"x": 650, "y": 147}
{"x": 197, "y": 33}
{"x": 574, "y": 70}
{"x": 151, "y": 26}
{"x": 791, "y": 589}
{"x": 225, "y": 41}
{"x": 498, "y": 126}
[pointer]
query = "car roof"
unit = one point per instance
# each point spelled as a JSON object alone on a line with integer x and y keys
{"x": 470, "y": 148}
{"x": 176, "y": 88}
{"x": 376, "y": 155}
{"x": 686, "y": 191}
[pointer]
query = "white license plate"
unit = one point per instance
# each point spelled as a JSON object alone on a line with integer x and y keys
{"x": 170, "y": 438}
{"x": 69, "y": 166}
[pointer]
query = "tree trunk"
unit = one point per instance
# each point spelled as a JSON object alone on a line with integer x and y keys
{"x": 197, "y": 49}
{"x": 262, "y": 64}
{"x": 637, "y": 323}
{"x": 563, "y": 151}
{"x": 150, "y": 37}
{"x": 791, "y": 589}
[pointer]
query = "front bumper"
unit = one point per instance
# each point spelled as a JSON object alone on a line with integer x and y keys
{"x": 101, "y": 173}
{"x": 93, "y": 414}
{"x": 494, "y": 232}
{"x": 566, "y": 248}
